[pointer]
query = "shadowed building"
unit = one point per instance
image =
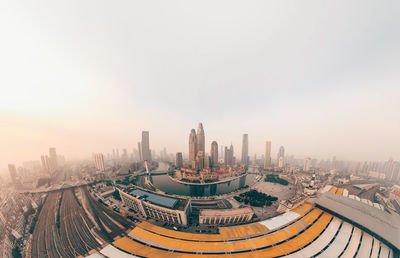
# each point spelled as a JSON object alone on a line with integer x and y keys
{"x": 179, "y": 160}
{"x": 214, "y": 153}
{"x": 245, "y": 149}
{"x": 267, "y": 156}
{"x": 192, "y": 148}
{"x": 146, "y": 153}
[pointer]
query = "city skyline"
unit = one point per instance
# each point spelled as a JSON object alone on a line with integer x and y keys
{"x": 320, "y": 86}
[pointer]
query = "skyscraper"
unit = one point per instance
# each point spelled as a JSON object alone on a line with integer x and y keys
{"x": 307, "y": 164}
{"x": 139, "y": 151}
{"x": 281, "y": 156}
{"x": 200, "y": 139}
{"x": 13, "y": 173}
{"x": 192, "y": 148}
{"x": 214, "y": 154}
{"x": 146, "y": 153}
{"x": 229, "y": 160}
{"x": 245, "y": 149}
{"x": 200, "y": 160}
{"x": 52, "y": 160}
{"x": 179, "y": 160}
{"x": 99, "y": 161}
{"x": 45, "y": 163}
{"x": 267, "y": 156}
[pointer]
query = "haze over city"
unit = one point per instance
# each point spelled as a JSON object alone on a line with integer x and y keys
{"x": 320, "y": 79}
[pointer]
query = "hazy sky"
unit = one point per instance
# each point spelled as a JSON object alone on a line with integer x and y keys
{"x": 321, "y": 78}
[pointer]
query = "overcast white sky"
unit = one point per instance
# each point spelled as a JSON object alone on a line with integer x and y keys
{"x": 319, "y": 77}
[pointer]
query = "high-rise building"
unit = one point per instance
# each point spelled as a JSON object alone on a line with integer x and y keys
{"x": 45, "y": 163}
{"x": 229, "y": 160}
{"x": 53, "y": 165}
{"x": 179, "y": 160}
{"x": 245, "y": 149}
{"x": 267, "y": 156}
{"x": 99, "y": 161}
{"x": 13, "y": 173}
{"x": 281, "y": 162}
{"x": 146, "y": 153}
{"x": 200, "y": 139}
{"x": 214, "y": 154}
{"x": 200, "y": 160}
{"x": 281, "y": 157}
{"x": 207, "y": 161}
{"x": 307, "y": 164}
{"x": 192, "y": 148}
{"x": 139, "y": 151}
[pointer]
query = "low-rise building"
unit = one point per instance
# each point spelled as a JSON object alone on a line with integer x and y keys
{"x": 159, "y": 207}
{"x": 225, "y": 216}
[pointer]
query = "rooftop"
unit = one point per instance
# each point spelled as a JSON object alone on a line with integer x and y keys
{"x": 155, "y": 198}
{"x": 378, "y": 222}
{"x": 225, "y": 212}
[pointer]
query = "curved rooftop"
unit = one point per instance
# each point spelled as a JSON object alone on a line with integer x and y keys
{"x": 305, "y": 231}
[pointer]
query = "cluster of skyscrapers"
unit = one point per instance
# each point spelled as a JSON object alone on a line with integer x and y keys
{"x": 197, "y": 157}
{"x": 49, "y": 162}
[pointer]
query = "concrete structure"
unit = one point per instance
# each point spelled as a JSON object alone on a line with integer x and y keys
{"x": 145, "y": 144}
{"x": 214, "y": 154}
{"x": 99, "y": 161}
{"x": 245, "y": 149}
{"x": 225, "y": 216}
{"x": 378, "y": 223}
{"x": 178, "y": 160}
{"x": 267, "y": 155}
{"x": 156, "y": 206}
{"x": 192, "y": 148}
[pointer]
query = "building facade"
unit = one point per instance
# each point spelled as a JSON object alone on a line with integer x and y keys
{"x": 225, "y": 216}
{"x": 159, "y": 207}
{"x": 99, "y": 161}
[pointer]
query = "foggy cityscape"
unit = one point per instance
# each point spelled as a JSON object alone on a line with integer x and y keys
{"x": 180, "y": 129}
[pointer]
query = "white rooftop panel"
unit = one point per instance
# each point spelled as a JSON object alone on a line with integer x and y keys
{"x": 326, "y": 188}
{"x": 366, "y": 245}
{"x": 353, "y": 245}
{"x": 280, "y": 220}
{"x": 340, "y": 242}
{"x": 112, "y": 252}
{"x": 345, "y": 193}
{"x": 384, "y": 251}
{"x": 375, "y": 249}
{"x": 322, "y": 241}
{"x": 95, "y": 256}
